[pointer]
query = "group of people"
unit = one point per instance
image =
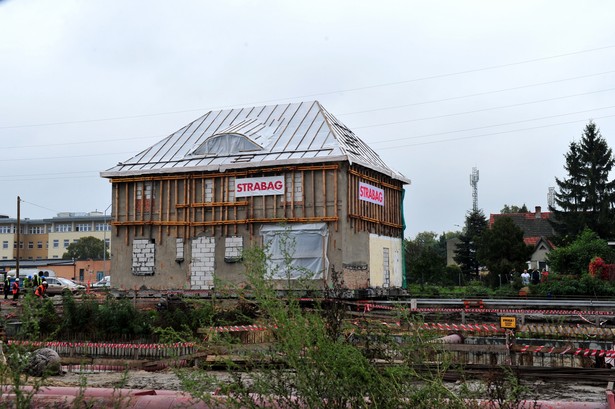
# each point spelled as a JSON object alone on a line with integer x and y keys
{"x": 38, "y": 282}
{"x": 534, "y": 276}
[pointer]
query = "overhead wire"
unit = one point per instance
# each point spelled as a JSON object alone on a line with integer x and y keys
{"x": 436, "y": 76}
{"x": 84, "y": 142}
{"x": 489, "y": 126}
{"x": 47, "y": 174}
{"x": 493, "y": 133}
{"x": 481, "y": 94}
{"x": 40, "y": 206}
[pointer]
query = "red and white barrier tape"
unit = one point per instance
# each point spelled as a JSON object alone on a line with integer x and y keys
{"x": 373, "y": 306}
{"x": 568, "y": 351}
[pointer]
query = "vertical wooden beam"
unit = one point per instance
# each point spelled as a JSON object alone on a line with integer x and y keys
{"x": 116, "y": 203}
{"x": 161, "y": 209}
{"x": 303, "y": 198}
{"x": 225, "y": 198}
{"x": 191, "y": 198}
{"x": 312, "y": 177}
{"x": 214, "y": 209}
{"x": 250, "y": 215}
{"x": 285, "y": 201}
{"x": 348, "y": 198}
{"x": 176, "y": 211}
{"x": 128, "y": 207}
{"x": 324, "y": 192}
{"x": 292, "y": 194}
{"x": 185, "y": 183}
{"x": 234, "y": 207}
{"x": 275, "y": 204}
{"x": 335, "y": 207}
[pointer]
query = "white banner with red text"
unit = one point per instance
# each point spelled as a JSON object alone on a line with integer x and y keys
{"x": 371, "y": 194}
{"x": 264, "y": 186}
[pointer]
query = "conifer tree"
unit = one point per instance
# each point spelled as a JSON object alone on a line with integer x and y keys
{"x": 502, "y": 250}
{"x": 586, "y": 197}
{"x": 465, "y": 255}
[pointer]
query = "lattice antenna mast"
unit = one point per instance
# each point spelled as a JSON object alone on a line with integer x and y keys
{"x": 551, "y": 197}
{"x": 474, "y": 184}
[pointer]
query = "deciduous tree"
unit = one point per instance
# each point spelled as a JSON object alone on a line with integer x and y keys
{"x": 86, "y": 248}
{"x": 426, "y": 258}
{"x": 501, "y": 249}
{"x": 574, "y": 258}
{"x": 514, "y": 209}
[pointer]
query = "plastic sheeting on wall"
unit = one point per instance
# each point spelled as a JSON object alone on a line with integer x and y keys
{"x": 305, "y": 247}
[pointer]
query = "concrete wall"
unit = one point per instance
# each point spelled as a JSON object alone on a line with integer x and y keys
{"x": 385, "y": 259}
{"x": 206, "y": 253}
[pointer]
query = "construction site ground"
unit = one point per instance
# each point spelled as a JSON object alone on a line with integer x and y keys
{"x": 539, "y": 389}
{"x": 168, "y": 380}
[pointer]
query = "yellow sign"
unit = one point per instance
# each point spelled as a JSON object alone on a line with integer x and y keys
{"x": 508, "y": 322}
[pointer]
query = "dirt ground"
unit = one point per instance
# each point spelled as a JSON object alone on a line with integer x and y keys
{"x": 167, "y": 380}
{"x": 162, "y": 380}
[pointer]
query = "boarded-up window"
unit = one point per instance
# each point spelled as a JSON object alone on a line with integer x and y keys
{"x": 144, "y": 197}
{"x": 233, "y": 249}
{"x": 294, "y": 187}
{"x": 143, "y": 257}
{"x": 209, "y": 190}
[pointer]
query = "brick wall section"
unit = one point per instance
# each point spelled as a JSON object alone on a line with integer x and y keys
{"x": 202, "y": 264}
{"x": 179, "y": 245}
{"x": 143, "y": 257}
{"x": 233, "y": 248}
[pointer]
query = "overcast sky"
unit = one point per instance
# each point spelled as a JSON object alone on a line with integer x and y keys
{"x": 436, "y": 88}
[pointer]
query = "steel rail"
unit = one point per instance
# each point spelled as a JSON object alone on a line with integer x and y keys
{"x": 533, "y": 302}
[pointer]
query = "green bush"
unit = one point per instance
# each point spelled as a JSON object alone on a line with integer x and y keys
{"x": 574, "y": 286}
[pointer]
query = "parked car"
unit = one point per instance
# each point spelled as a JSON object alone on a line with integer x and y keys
{"x": 58, "y": 285}
{"x": 105, "y": 282}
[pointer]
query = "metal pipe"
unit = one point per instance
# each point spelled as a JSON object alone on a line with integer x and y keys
{"x": 450, "y": 339}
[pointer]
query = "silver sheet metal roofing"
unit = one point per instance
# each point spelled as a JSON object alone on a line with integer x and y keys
{"x": 270, "y": 135}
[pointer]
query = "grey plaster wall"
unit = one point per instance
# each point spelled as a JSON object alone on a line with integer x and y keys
{"x": 347, "y": 251}
{"x": 169, "y": 272}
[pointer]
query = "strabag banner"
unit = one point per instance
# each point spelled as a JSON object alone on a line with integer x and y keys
{"x": 372, "y": 194}
{"x": 265, "y": 186}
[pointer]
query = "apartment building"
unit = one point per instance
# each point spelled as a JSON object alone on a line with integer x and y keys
{"x": 48, "y": 239}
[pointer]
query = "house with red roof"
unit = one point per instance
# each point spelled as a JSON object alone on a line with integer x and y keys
{"x": 537, "y": 232}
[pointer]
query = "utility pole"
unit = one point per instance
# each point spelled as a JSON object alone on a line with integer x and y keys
{"x": 18, "y": 236}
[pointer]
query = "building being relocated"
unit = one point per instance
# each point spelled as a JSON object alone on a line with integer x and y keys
{"x": 291, "y": 177}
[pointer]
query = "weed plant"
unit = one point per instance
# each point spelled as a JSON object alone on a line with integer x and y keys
{"x": 314, "y": 363}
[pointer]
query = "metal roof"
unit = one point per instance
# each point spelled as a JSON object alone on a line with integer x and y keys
{"x": 270, "y": 135}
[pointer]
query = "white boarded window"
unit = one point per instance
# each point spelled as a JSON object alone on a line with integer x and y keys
{"x": 209, "y": 190}
{"x": 143, "y": 252}
{"x": 294, "y": 186}
{"x": 233, "y": 249}
{"x": 296, "y": 251}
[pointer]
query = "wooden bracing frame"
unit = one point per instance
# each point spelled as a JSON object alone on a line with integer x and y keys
{"x": 189, "y": 204}
{"x": 383, "y": 220}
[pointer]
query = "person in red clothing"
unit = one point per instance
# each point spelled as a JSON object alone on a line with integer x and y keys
{"x": 41, "y": 290}
{"x": 15, "y": 289}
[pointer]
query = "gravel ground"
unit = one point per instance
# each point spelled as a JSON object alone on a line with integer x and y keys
{"x": 167, "y": 380}
{"x": 162, "y": 380}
